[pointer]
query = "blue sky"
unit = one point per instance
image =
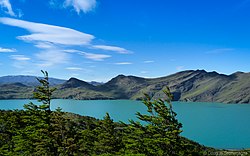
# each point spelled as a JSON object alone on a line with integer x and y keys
{"x": 99, "y": 39}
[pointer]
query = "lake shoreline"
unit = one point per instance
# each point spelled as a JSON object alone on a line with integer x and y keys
{"x": 124, "y": 99}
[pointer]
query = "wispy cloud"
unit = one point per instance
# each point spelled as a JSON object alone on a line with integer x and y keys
{"x": 46, "y": 36}
{"x": 55, "y": 43}
{"x": 6, "y": 50}
{"x": 95, "y": 57}
{"x": 50, "y": 58}
{"x": 44, "y": 45}
{"x": 123, "y": 63}
{"x": 149, "y": 61}
{"x": 6, "y": 7}
{"x": 74, "y": 68}
{"x": 43, "y": 33}
{"x": 81, "y": 5}
{"x": 91, "y": 56}
{"x": 72, "y": 51}
{"x": 19, "y": 57}
{"x": 78, "y": 70}
{"x": 20, "y": 61}
{"x": 220, "y": 50}
{"x": 112, "y": 48}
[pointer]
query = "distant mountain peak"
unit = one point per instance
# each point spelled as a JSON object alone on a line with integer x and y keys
{"x": 74, "y": 83}
{"x": 72, "y": 79}
{"x": 120, "y": 76}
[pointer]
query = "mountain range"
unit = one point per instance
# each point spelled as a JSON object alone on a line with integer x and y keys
{"x": 28, "y": 80}
{"x": 190, "y": 85}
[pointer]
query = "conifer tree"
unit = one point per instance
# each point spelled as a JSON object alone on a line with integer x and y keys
{"x": 158, "y": 133}
{"x": 35, "y": 138}
{"x": 43, "y": 93}
{"x": 108, "y": 141}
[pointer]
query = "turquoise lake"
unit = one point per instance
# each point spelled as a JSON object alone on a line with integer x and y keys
{"x": 212, "y": 124}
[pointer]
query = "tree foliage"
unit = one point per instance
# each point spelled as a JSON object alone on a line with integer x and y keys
{"x": 158, "y": 133}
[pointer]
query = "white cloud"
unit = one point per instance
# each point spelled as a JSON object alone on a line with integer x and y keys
{"x": 72, "y": 51}
{"x": 123, "y": 63}
{"x": 41, "y": 33}
{"x": 149, "y": 61}
{"x": 5, "y": 50}
{"x": 19, "y": 57}
{"x": 20, "y": 61}
{"x": 95, "y": 57}
{"x": 51, "y": 58}
{"x": 112, "y": 48}
{"x": 78, "y": 69}
{"x": 53, "y": 40}
{"x": 6, "y": 6}
{"x": 91, "y": 56}
{"x": 74, "y": 68}
{"x": 44, "y": 45}
{"x": 46, "y": 36}
{"x": 81, "y": 5}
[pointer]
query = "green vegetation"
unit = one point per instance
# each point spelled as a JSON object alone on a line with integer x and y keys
{"x": 15, "y": 91}
{"x": 196, "y": 86}
{"x": 37, "y": 130}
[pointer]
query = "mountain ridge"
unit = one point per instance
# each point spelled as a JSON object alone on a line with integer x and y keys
{"x": 189, "y": 85}
{"x": 27, "y": 80}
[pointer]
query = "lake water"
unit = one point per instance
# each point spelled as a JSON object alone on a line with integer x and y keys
{"x": 212, "y": 124}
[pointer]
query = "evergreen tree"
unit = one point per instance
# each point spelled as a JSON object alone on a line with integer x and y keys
{"x": 160, "y": 132}
{"x": 108, "y": 139}
{"x": 35, "y": 138}
{"x": 9, "y": 122}
{"x": 43, "y": 93}
{"x": 88, "y": 137}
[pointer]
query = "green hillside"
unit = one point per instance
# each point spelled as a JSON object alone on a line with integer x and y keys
{"x": 191, "y": 85}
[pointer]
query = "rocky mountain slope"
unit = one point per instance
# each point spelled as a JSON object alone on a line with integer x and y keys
{"x": 191, "y": 85}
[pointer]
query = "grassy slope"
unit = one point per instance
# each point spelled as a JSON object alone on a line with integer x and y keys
{"x": 15, "y": 91}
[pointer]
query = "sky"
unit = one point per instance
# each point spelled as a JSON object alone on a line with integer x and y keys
{"x": 96, "y": 40}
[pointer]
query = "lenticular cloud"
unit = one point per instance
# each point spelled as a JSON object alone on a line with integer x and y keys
{"x": 49, "y": 33}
